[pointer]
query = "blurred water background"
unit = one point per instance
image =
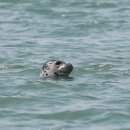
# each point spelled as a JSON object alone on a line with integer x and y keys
{"x": 93, "y": 35}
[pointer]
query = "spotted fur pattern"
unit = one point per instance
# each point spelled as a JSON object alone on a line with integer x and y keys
{"x": 55, "y": 68}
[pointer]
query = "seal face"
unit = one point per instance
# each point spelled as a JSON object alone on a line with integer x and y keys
{"x": 55, "y": 68}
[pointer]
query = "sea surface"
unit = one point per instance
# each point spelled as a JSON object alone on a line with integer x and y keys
{"x": 93, "y": 35}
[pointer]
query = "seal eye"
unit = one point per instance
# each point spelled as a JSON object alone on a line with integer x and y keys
{"x": 58, "y": 62}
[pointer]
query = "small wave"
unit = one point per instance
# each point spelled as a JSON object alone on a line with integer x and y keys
{"x": 4, "y": 67}
{"x": 102, "y": 66}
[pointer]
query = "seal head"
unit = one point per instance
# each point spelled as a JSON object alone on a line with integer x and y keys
{"x": 56, "y": 68}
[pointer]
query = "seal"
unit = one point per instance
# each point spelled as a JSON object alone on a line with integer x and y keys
{"x": 56, "y": 68}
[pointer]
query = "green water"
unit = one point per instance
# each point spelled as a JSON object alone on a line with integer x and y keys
{"x": 93, "y": 35}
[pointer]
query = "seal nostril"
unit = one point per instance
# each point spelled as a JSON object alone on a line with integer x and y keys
{"x": 58, "y": 62}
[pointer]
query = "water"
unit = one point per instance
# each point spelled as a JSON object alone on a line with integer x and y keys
{"x": 94, "y": 36}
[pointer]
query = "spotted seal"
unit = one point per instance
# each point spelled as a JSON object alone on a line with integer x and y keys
{"x": 56, "y": 68}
